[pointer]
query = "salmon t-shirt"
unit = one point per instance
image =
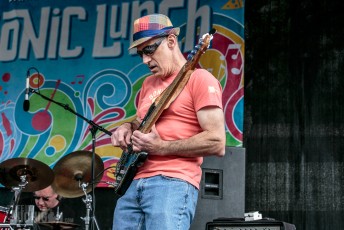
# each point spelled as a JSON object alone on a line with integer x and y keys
{"x": 178, "y": 121}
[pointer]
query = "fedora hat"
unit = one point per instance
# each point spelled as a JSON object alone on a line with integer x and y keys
{"x": 152, "y": 26}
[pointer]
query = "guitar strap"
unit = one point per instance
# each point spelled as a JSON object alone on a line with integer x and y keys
{"x": 175, "y": 92}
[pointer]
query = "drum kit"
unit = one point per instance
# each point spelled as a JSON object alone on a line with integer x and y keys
{"x": 72, "y": 176}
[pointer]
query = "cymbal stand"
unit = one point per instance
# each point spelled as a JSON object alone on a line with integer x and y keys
{"x": 17, "y": 192}
{"x": 88, "y": 202}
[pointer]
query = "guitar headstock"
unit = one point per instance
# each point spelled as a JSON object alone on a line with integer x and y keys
{"x": 201, "y": 47}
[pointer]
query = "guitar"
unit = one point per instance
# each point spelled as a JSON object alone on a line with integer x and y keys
{"x": 129, "y": 162}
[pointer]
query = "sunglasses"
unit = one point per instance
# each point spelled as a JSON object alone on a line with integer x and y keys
{"x": 150, "y": 49}
{"x": 42, "y": 197}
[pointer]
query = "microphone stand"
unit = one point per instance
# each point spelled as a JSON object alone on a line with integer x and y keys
{"x": 94, "y": 128}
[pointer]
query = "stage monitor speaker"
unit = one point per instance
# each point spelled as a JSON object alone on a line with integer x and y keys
{"x": 249, "y": 225}
{"x": 222, "y": 189}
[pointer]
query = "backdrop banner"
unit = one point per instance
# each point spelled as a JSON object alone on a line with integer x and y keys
{"x": 75, "y": 52}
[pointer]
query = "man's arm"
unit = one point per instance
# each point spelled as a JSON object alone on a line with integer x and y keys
{"x": 211, "y": 141}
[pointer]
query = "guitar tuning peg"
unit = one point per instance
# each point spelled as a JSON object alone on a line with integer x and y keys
{"x": 190, "y": 56}
{"x": 197, "y": 47}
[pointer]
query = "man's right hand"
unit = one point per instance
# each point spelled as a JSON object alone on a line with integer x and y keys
{"x": 121, "y": 136}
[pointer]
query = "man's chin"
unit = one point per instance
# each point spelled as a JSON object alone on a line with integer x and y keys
{"x": 156, "y": 73}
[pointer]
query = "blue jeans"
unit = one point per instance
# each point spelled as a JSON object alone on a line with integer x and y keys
{"x": 154, "y": 203}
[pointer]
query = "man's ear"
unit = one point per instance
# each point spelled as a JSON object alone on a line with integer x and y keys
{"x": 171, "y": 40}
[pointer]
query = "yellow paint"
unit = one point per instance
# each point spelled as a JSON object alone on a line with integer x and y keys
{"x": 231, "y": 5}
{"x": 58, "y": 142}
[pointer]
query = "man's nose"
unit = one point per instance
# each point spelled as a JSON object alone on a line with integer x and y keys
{"x": 40, "y": 201}
{"x": 146, "y": 59}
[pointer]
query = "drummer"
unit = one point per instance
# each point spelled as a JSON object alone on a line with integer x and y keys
{"x": 49, "y": 207}
{"x": 46, "y": 199}
{"x": 49, "y": 204}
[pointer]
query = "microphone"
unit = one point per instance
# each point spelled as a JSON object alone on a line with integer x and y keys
{"x": 26, "y": 105}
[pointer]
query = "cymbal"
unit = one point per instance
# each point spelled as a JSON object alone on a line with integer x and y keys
{"x": 36, "y": 173}
{"x": 59, "y": 225}
{"x": 74, "y": 169}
